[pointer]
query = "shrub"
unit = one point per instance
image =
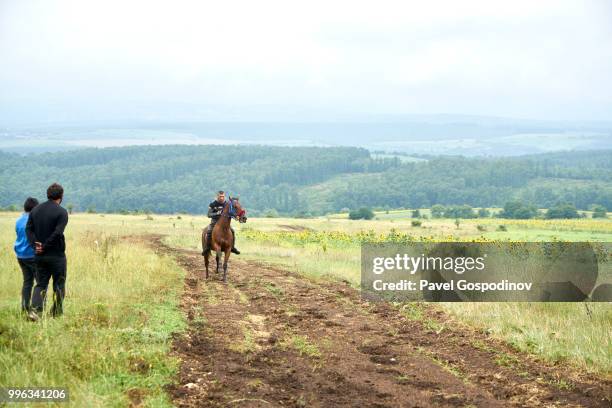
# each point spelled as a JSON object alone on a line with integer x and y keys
{"x": 599, "y": 211}
{"x": 483, "y": 213}
{"x": 363, "y": 213}
{"x": 564, "y": 211}
{"x": 437, "y": 211}
{"x": 416, "y": 223}
{"x": 452, "y": 211}
{"x": 459, "y": 211}
{"x": 518, "y": 210}
{"x": 271, "y": 213}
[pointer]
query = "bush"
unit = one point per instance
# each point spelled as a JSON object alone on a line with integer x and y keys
{"x": 564, "y": 211}
{"x": 437, "y": 211}
{"x": 483, "y": 213}
{"x": 518, "y": 210}
{"x": 459, "y": 211}
{"x": 452, "y": 211}
{"x": 416, "y": 223}
{"x": 599, "y": 211}
{"x": 363, "y": 213}
{"x": 481, "y": 227}
{"x": 502, "y": 228}
{"x": 271, "y": 213}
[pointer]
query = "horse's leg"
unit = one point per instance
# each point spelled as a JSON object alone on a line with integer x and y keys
{"x": 205, "y": 253}
{"x": 204, "y": 241}
{"x": 218, "y": 259}
{"x": 206, "y": 256}
{"x": 225, "y": 259}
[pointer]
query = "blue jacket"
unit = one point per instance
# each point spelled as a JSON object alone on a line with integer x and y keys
{"x": 22, "y": 246}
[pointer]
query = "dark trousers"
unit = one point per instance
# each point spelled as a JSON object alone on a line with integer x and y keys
{"x": 28, "y": 269}
{"x": 48, "y": 267}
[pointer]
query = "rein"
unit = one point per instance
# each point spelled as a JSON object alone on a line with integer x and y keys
{"x": 231, "y": 213}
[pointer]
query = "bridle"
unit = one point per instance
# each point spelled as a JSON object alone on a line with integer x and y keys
{"x": 231, "y": 213}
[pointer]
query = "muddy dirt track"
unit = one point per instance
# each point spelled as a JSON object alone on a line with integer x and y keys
{"x": 272, "y": 338}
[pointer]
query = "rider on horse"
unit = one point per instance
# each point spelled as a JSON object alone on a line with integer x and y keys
{"x": 214, "y": 213}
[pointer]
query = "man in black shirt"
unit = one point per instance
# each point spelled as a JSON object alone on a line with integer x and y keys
{"x": 214, "y": 212}
{"x": 45, "y": 231}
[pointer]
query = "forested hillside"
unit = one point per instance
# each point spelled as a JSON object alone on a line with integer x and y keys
{"x": 296, "y": 180}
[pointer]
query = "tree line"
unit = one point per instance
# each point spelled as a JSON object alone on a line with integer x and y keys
{"x": 301, "y": 181}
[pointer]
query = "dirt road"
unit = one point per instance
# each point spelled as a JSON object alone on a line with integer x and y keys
{"x": 272, "y": 338}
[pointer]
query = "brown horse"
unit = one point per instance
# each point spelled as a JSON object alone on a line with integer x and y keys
{"x": 222, "y": 237}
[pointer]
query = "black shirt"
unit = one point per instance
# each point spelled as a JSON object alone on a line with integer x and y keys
{"x": 214, "y": 209}
{"x": 46, "y": 225}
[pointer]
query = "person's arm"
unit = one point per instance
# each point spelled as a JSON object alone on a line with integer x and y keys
{"x": 30, "y": 231}
{"x": 212, "y": 210}
{"x": 59, "y": 229}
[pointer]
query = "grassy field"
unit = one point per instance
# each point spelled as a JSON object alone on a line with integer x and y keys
{"x": 560, "y": 332}
{"x": 111, "y": 346}
{"x": 122, "y": 299}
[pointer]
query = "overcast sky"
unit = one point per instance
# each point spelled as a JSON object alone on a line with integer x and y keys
{"x": 75, "y": 60}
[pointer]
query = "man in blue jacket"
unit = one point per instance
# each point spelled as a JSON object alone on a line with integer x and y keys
{"x": 25, "y": 254}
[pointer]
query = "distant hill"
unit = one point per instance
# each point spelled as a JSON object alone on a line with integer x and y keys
{"x": 416, "y": 134}
{"x": 296, "y": 180}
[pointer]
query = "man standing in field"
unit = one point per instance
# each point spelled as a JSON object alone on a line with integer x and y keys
{"x": 45, "y": 231}
{"x": 25, "y": 254}
{"x": 214, "y": 213}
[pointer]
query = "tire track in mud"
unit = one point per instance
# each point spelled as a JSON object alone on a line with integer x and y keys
{"x": 272, "y": 338}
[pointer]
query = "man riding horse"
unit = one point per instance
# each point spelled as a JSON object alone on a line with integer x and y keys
{"x": 214, "y": 213}
{"x": 219, "y": 236}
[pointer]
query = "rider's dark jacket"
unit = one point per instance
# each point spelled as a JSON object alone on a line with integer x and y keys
{"x": 214, "y": 211}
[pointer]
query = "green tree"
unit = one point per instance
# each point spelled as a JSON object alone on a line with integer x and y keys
{"x": 599, "y": 211}
{"x": 518, "y": 210}
{"x": 483, "y": 213}
{"x": 564, "y": 211}
{"x": 270, "y": 213}
{"x": 459, "y": 211}
{"x": 363, "y": 213}
{"x": 437, "y": 211}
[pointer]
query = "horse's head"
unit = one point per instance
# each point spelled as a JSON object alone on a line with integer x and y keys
{"x": 236, "y": 211}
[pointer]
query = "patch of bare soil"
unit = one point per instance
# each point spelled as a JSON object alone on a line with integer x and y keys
{"x": 272, "y": 338}
{"x": 296, "y": 228}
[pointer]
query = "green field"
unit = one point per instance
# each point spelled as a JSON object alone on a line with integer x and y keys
{"x": 122, "y": 298}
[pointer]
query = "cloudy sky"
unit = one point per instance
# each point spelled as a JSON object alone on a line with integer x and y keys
{"x": 83, "y": 60}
